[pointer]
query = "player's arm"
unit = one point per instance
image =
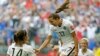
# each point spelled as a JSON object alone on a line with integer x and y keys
{"x": 46, "y": 42}
{"x": 65, "y": 5}
{"x": 72, "y": 31}
{"x": 75, "y": 41}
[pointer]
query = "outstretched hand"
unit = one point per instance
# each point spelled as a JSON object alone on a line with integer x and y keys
{"x": 37, "y": 51}
{"x": 65, "y": 5}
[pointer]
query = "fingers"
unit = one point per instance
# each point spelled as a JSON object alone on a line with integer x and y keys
{"x": 36, "y": 51}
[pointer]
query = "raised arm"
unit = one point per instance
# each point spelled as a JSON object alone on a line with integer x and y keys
{"x": 65, "y": 5}
{"x": 76, "y": 43}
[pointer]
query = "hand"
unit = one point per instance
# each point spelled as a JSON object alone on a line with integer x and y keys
{"x": 75, "y": 53}
{"x": 37, "y": 51}
{"x": 65, "y": 5}
{"x": 55, "y": 48}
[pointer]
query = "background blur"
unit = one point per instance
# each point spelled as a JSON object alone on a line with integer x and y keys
{"x": 32, "y": 15}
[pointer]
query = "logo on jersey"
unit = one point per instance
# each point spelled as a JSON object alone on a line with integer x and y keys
{"x": 64, "y": 28}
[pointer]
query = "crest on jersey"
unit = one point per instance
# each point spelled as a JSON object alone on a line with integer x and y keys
{"x": 64, "y": 28}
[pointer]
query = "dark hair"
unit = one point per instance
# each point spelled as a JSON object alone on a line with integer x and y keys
{"x": 54, "y": 16}
{"x": 19, "y": 37}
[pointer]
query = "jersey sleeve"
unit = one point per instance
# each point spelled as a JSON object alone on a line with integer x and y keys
{"x": 71, "y": 26}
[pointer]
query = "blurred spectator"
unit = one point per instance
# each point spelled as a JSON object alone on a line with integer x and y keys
{"x": 84, "y": 51}
{"x": 91, "y": 44}
{"x": 97, "y": 49}
{"x": 2, "y": 24}
{"x": 98, "y": 31}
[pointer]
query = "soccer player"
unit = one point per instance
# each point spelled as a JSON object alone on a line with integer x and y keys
{"x": 19, "y": 47}
{"x": 67, "y": 37}
{"x": 84, "y": 51}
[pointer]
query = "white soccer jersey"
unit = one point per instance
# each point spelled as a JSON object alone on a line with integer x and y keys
{"x": 26, "y": 50}
{"x": 88, "y": 53}
{"x": 64, "y": 33}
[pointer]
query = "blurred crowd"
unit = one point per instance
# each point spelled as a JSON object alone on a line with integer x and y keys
{"x": 32, "y": 15}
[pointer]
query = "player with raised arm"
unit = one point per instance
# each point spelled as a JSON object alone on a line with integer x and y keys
{"x": 65, "y": 29}
{"x": 19, "y": 47}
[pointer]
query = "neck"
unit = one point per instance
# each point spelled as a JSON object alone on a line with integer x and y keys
{"x": 19, "y": 44}
{"x": 84, "y": 51}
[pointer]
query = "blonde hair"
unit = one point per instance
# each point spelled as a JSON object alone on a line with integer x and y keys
{"x": 84, "y": 39}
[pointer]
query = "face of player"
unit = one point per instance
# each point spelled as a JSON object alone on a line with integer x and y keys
{"x": 84, "y": 44}
{"x": 54, "y": 22}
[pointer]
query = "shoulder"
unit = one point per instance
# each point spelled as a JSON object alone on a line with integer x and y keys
{"x": 27, "y": 47}
{"x": 52, "y": 28}
{"x": 12, "y": 45}
{"x": 9, "y": 51}
{"x": 66, "y": 21}
{"x": 90, "y": 51}
{"x": 68, "y": 24}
